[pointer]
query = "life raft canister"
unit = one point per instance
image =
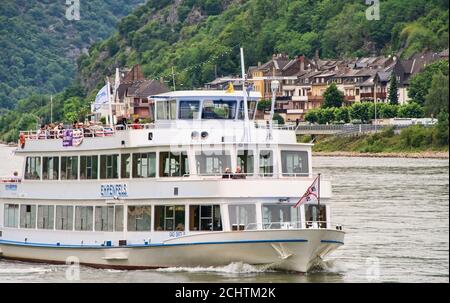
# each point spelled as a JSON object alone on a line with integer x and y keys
{"x": 22, "y": 140}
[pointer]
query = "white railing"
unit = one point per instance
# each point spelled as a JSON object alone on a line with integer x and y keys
{"x": 293, "y": 225}
{"x": 242, "y": 176}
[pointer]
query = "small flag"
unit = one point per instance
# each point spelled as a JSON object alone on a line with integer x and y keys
{"x": 230, "y": 88}
{"x": 311, "y": 192}
{"x": 100, "y": 99}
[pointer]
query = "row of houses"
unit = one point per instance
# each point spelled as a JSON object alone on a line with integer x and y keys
{"x": 303, "y": 82}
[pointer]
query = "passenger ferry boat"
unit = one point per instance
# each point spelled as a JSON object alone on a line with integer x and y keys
{"x": 160, "y": 195}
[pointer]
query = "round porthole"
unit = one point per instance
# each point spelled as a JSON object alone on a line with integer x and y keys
{"x": 205, "y": 135}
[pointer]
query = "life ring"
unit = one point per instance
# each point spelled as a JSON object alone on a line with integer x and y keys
{"x": 22, "y": 140}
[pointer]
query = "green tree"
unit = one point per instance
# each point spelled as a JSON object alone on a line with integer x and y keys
{"x": 278, "y": 118}
{"x": 437, "y": 99}
{"x": 420, "y": 83}
{"x": 325, "y": 115}
{"x": 442, "y": 131}
{"x": 333, "y": 97}
{"x": 361, "y": 112}
{"x": 387, "y": 111}
{"x": 342, "y": 114}
{"x": 312, "y": 116}
{"x": 393, "y": 90}
{"x": 411, "y": 110}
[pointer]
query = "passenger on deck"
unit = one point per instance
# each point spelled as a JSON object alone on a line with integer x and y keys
{"x": 239, "y": 174}
{"x": 180, "y": 227}
{"x": 227, "y": 174}
{"x": 15, "y": 177}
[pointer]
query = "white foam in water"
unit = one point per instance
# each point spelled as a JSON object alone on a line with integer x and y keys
{"x": 233, "y": 268}
{"x": 22, "y": 271}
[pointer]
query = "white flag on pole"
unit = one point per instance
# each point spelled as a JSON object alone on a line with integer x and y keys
{"x": 100, "y": 99}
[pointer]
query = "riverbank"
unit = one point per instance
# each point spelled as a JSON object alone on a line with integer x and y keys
{"x": 415, "y": 155}
{"x": 412, "y": 142}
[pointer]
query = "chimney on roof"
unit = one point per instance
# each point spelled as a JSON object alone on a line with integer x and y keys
{"x": 301, "y": 59}
{"x": 259, "y": 63}
{"x": 316, "y": 55}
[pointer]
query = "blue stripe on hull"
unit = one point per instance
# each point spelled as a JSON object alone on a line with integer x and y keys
{"x": 30, "y": 244}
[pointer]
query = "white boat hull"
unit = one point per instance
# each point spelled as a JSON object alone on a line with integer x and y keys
{"x": 291, "y": 250}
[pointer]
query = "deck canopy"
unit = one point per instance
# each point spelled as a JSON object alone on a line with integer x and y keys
{"x": 204, "y": 105}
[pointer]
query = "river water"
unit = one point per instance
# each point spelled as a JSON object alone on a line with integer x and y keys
{"x": 395, "y": 213}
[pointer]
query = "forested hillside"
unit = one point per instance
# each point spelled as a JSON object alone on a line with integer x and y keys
{"x": 39, "y": 45}
{"x": 196, "y": 36}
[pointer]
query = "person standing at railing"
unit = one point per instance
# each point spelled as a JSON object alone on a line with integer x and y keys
{"x": 239, "y": 174}
{"x": 227, "y": 174}
{"x": 15, "y": 177}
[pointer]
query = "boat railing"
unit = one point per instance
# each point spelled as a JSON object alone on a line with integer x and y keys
{"x": 291, "y": 225}
{"x": 243, "y": 176}
{"x": 266, "y": 125}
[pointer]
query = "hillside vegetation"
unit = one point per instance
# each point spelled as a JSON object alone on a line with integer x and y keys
{"x": 200, "y": 37}
{"x": 39, "y": 45}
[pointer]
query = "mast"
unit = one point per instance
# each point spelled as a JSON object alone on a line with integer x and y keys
{"x": 244, "y": 92}
{"x": 108, "y": 88}
{"x": 51, "y": 109}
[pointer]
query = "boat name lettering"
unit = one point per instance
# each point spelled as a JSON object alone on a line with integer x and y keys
{"x": 175, "y": 234}
{"x": 114, "y": 190}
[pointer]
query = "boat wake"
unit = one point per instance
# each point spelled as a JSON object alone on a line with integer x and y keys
{"x": 25, "y": 271}
{"x": 232, "y": 268}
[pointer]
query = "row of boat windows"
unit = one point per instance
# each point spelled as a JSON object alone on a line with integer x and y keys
{"x": 139, "y": 218}
{"x": 111, "y": 218}
{"x": 206, "y": 109}
{"x": 171, "y": 164}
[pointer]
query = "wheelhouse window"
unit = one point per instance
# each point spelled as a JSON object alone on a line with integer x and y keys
{"x": 64, "y": 217}
{"x": 174, "y": 164}
{"x": 69, "y": 168}
{"x": 89, "y": 167}
{"x": 219, "y": 109}
{"x": 266, "y": 163}
{"x": 276, "y": 216}
{"x": 84, "y": 218}
{"x": 33, "y": 168}
{"x": 295, "y": 163}
{"x": 11, "y": 215}
{"x": 242, "y": 216}
{"x": 139, "y": 218}
{"x": 125, "y": 168}
{"x": 205, "y": 218}
{"x": 245, "y": 160}
{"x": 109, "y": 168}
{"x": 212, "y": 162}
{"x": 251, "y": 109}
{"x": 104, "y": 218}
{"x": 27, "y": 216}
{"x": 166, "y": 110}
{"x": 50, "y": 168}
{"x": 46, "y": 216}
{"x": 170, "y": 218}
{"x": 315, "y": 213}
{"x": 144, "y": 165}
{"x": 189, "y": 110}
